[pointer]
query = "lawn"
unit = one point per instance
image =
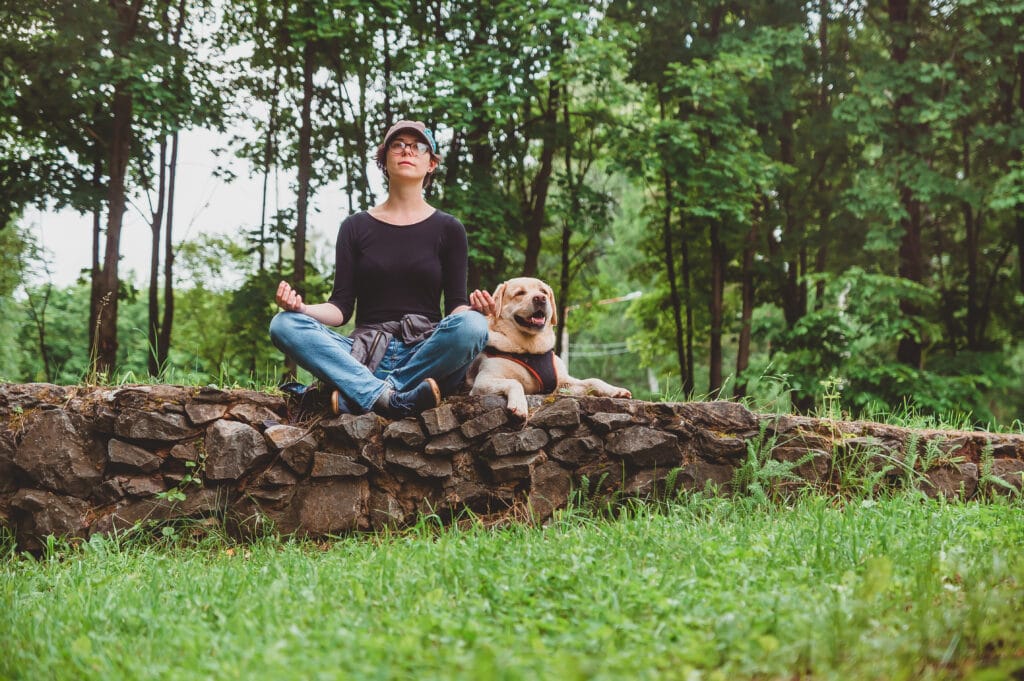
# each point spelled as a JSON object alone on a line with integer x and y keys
{"x": 702, "y": 588}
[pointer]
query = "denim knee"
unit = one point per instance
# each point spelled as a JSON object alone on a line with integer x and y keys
{"x": 470, "y": 330}
{"x": 283, "y": 327}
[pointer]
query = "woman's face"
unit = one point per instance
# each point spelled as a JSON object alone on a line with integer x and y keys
{"x": 405, "y": 160}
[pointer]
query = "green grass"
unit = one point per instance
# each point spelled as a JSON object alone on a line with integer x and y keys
{"x": 703, "y": 588}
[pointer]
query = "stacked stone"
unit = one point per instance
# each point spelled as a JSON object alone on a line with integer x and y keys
{"x": 79, "y": 461}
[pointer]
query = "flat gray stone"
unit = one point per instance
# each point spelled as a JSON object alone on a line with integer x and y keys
{"x": 643, "y": 446}
{"x": 526, "y": 440}
{"x": 485, "y": 423}
{"x": 329, "y": 465}
{"x": 125, "y": 454}
{"x": 440, "y": 419}
{"x": 562, "y": 413}
{"x": 232, "y": 449}
{"x": 407, "y": 431}
{"x": 449, "y": 443}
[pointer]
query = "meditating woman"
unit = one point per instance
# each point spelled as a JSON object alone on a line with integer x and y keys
{"x": 394, "y": 264}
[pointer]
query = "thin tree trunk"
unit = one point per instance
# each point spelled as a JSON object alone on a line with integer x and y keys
{"x": 155, "y": 225}
{"x": 716, "y": 309}
{"x": 305, "y": 170}
{"x": 689, "y": 380}
{"x": 971, "y": 245}
{"x": 670, "y": 274}
{"x": 166, "y": 326}
{"x": 747, "y": 312}
{"x": 542, "y": 182}
{"x": 94, "y": 269}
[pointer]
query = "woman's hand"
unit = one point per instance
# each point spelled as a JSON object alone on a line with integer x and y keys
{"x": 288, "y": 298}
{"x": 482, "y": 302}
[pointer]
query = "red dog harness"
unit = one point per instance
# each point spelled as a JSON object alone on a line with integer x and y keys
{"x": 541, "y": 367}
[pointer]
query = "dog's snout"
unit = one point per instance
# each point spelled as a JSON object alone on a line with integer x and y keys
{"x": 540, "y": 301}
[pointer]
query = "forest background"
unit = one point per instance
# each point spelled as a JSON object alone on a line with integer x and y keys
{"x": 816, "y": 201}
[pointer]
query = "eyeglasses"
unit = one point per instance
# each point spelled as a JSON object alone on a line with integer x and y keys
{"x": 398, "y": 147}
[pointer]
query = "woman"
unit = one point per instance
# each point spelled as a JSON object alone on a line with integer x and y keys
{"x": 394, "y": 263}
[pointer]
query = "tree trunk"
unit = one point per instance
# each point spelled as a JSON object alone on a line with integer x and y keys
{"x": 911, "y": 257}
{"x": 747, "y": 312}
{"x": 155, "y": 226}
{"x": 971, "y": 245}
{"x": 542, "y": 182}
{"x": 94, "y": 269}
{"x": 104, "y": 350}
{"x": 716, "y": 305}
{"x": 689, "y": 381}
{"x": 670, "y": 274}
{"x": 305, "y": 170}
{"x": 166, "y": 326}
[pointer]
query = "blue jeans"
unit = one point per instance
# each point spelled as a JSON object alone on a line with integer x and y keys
{"x": 445, "y": 356}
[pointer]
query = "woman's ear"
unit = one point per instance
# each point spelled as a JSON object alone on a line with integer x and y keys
{"x": 554, "y": 306}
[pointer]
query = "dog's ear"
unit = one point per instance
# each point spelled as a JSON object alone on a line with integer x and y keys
{"x": 499, "y": 299}
{"x": 554, "y": 305}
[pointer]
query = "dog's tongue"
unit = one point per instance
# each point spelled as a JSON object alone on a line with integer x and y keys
{"x": 538, "y": 320}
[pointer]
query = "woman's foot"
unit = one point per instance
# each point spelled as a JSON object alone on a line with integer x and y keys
{"x": 399, "y": 405}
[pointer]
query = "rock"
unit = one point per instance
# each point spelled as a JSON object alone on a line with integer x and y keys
{"x": 605, "y": 422}
{"x": 54, "y": 455}
{"x": 124, "y": 454}
{"x": 1010, "y": 471}
{"x": 406, "y": 431}
{"x": 425, "y": 466}
{"x": 253, "y": 414}
{"x": 232, "y": 449}
{"x": 519, "y": 467}
{"x": 139, "y": 485}
{"x": 440, "y": 420}
{"x": 385, "y": 511}
{"x": 283, "y": 436}
{"x": 449, "y": 443}
{"x": 44, "y": 513}
{"x": 576, "y": 450}
{"x": 185, "y": 452}
{"x": 353, "y": 429}
{"x": 201, "y": 413}
{"x": 527, "y": 440}
{"x": 562, "y": 413}
{"x": 485, "y": 423}
{"x": 816, "y": 464}
{"x": 719, "y": 416}
{"x": 951, "y": 482}
{"x": 331, "y": 507}
{"x": 276, "y": 475}
{"x": 549, "y": 489}
{"x": 372, "y": 454}
{"x": 720, "y": 448}
{"x": 144, "y": 425}
{"x": 328, "y": 465}
{"x": 645, "y": 447}
{"x": 698, "y": 475}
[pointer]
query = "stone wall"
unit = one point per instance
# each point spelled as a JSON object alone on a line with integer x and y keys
{"x": 80, "y": 460}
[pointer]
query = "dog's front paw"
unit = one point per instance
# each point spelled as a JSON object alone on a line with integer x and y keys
{"x": 621, "y": 392}
{"x": 517, "y": 405}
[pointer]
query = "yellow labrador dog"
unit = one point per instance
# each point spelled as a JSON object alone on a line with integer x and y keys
{"x": 519, "y": 359}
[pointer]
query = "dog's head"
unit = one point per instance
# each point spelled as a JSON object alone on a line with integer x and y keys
{"x": 525, "y": 314}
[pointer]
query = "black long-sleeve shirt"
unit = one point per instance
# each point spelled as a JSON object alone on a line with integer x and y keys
{"x": 395, "y": 270}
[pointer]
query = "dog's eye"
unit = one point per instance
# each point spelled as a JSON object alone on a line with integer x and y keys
{"x": 518, "y": 293}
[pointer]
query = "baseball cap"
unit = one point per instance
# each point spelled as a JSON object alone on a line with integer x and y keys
{"x": 414, "y": 126}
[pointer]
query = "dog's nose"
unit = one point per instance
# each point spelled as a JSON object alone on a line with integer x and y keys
{"x": 540, "y": 301}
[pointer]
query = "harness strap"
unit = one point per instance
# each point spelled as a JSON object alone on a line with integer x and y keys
{"x": 541, "y": 367}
